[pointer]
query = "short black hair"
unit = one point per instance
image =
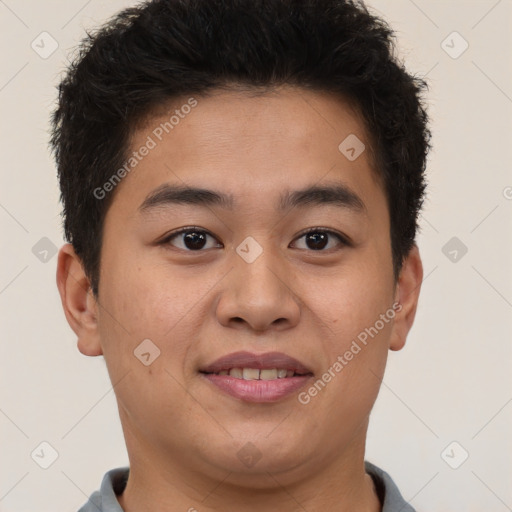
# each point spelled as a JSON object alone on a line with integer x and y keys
{"x": 149, "y": 54}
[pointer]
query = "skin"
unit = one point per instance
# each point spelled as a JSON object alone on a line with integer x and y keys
{"x": 183, "y": 434}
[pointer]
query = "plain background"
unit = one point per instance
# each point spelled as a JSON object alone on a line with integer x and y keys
{"x": 452, "y": 381}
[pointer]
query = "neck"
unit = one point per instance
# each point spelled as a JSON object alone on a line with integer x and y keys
{"x": 158, "y": 483}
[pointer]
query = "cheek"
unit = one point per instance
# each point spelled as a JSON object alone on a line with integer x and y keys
{"x": 147, "y": 299}
{"x": 148, "y": 302}
{"x": 358, "y": 309}
{"x": 352, "y": 302}
{"x": 143, "y": 306}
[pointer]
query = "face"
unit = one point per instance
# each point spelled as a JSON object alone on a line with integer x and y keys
{"x": 284, "y": 265}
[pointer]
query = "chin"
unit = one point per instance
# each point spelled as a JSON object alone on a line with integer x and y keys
{"x": 251, "y": 459}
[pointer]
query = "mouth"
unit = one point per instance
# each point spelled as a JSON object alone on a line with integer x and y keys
{"x": 257, "y": 373}
{"x": 267, "y": 377}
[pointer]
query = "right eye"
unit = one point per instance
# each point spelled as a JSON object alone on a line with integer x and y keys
{"x": 190, "y": 239}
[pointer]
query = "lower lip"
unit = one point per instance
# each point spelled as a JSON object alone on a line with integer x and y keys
{"x": 258, "y": 390}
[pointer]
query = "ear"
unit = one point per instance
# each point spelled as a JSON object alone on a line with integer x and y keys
{"x": 406, "y": 294}
{"x": 78, "y": 302}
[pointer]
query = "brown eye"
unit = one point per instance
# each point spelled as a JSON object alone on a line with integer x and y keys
{"x": 318, "y": 239}
{"x": 189, "y": 239}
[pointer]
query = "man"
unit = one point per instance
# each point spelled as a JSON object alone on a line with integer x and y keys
{"x": 241, "y": 182}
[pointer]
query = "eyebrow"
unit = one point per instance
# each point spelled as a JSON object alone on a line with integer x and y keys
{"x": 316, "y": 195}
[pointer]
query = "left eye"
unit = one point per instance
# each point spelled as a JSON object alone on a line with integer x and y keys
{"x": 318, "y": 239}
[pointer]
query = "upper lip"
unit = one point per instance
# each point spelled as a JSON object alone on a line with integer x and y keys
{"x": 267, "y": 360}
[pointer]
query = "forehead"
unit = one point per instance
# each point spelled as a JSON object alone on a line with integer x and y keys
{"x": 250, "y": 146}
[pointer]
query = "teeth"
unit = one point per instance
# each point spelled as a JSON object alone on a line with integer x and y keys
{"x": 255, "y": 374}
{"x": 236, "y": 372}
{"x": 251, "y": 374}
{"x": 268, "y": 374}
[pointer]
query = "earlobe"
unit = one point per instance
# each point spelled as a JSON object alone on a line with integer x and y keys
{"x": 407, "y": 294}
{"x": 78, "y": 302}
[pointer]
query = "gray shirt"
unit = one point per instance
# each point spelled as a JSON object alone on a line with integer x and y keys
{"x": 115, "y": 480}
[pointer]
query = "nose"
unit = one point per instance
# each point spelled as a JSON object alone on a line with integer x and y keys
{"x": 258, "y": 295}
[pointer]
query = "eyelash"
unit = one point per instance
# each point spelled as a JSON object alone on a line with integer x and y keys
{"x": 344, "y": 241}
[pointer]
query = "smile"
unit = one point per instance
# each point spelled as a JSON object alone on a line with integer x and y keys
{"x": 251, "y": 377}
{"x": 258, "y": 374}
